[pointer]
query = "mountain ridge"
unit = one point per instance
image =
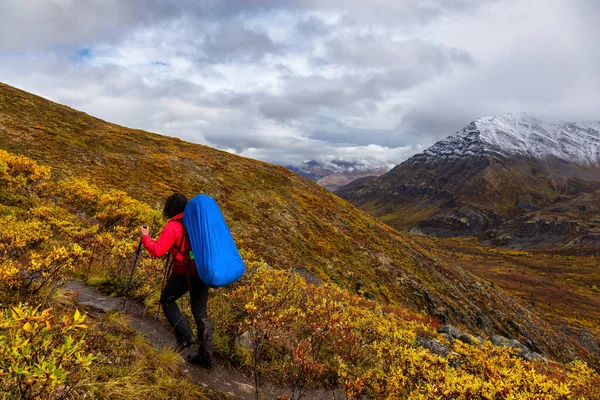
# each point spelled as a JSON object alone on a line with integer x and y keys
{"x": 522, "y": 135}
{"x": 475, "y": 181}
{"x": 336, "y": 173}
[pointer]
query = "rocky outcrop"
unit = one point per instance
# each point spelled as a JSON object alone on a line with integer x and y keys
{"x": 245, "y": 343}
{"x": 434, "y": 346}
{"x": 540, "y": 231}
{"x": 452, "y": 333}
{"x": 464, "y": 221}
{"x": 523, "y": 351}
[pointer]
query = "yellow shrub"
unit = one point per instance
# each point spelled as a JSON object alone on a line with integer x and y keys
{"x": 108, "y": 207}
{"x": 41, "y": 356}
{"x": 17, "y": 236}
{"x": 12, "y": 166}
{"x": 584, "y": 381}
{"x": 307, "y": 335}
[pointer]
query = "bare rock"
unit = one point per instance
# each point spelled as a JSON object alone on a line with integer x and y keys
{"x": 524, "y": 351}
{"x": 451, "y": 332}
{"x": 245, "y": 342}
{"x": 469, "y": 339}
{"x": 434, "y": 346}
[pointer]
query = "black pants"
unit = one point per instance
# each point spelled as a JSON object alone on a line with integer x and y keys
{"x": 177, "y": 286}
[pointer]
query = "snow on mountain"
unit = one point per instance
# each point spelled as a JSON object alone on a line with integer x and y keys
{"x": 521, "y": 135}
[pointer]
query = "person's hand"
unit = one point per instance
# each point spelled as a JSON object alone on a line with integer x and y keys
{"x": 143, "y": 230}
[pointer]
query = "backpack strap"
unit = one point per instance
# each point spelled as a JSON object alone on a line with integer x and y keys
{"x": 180, "y": 249}
{"x": 184, "y": 234}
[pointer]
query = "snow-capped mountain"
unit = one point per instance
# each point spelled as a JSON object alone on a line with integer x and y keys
{"x": 501, "y": 171}
{"x": 336, "y": 173}
{"x": 523, "y": 136}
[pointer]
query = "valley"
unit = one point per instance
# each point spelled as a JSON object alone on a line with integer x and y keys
{"x": 563, "y": 285}
{"x": 511, "y": 199}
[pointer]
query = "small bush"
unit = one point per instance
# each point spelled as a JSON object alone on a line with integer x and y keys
{"x": 41, "y": 356}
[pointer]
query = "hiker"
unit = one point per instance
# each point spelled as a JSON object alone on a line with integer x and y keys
{"x": 183, "y": 277}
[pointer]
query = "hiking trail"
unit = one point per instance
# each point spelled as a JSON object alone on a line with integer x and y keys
{"x": 221, "y": 378}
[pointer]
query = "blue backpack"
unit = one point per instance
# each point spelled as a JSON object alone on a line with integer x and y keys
{"x": 217, "y": 259}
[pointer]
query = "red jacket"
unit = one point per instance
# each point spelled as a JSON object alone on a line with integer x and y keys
{"x": 172, "y": 239}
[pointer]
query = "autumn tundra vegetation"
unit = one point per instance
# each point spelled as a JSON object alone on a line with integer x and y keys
{"x": 307, "y": 322}
{"x": 302, "y": 334}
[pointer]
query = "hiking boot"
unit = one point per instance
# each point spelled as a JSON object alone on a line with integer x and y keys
{"x": 199, "y": 361}
{"x": 184, "y": 344}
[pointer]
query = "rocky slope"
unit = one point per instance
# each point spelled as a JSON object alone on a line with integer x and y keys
{"x": 492, "y": 171}
{"x": 281, "y": 217}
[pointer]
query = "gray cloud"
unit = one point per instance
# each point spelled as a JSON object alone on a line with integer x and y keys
{"x": 46, "y": 23}
{"x": 396, "y": 13}
{"x": 306, "y": 79}
{"x": 313, "y": 26}
{"x": 379, "y": 51}
{"x": 374, "y": 11}
{"x": 379, "y": 67}
{"x": 236, "y": 42}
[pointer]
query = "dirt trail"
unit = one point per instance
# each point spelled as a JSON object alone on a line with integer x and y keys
{"x": 220, "y": 378}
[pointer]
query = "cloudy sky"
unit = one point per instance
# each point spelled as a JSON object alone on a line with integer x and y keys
{"x": 289, "y": 80}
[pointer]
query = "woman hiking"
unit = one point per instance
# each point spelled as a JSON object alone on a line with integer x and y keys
{"x": 183, "y": 277}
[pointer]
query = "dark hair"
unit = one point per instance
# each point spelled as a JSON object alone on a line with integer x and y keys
{"x": 175, "y": 205}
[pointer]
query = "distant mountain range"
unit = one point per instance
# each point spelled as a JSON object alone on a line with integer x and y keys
{"x": 334, "y": 174}
{"x": 512, "y": 180}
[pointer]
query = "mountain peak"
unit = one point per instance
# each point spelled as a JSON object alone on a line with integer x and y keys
{"x": 521, "y": 135}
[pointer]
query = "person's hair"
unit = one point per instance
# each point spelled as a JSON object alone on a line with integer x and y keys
{"x": 174, "y": 205}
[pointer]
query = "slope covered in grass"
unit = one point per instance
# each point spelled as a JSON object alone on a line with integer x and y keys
{"x": 282, "y": 218}
{"x": 301, "y": 335}
{"x": 48, "y": 348}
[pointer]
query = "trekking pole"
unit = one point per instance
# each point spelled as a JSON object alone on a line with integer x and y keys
{"x": 162, "y": 286}
{"x": 137, "y": 257}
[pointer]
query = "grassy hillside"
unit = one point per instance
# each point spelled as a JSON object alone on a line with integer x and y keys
{"x": 290, "y": 221}
{"x": 48, "y": 348}
{"x": 287, "y": 221}
{"x": 300, "y": 335}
